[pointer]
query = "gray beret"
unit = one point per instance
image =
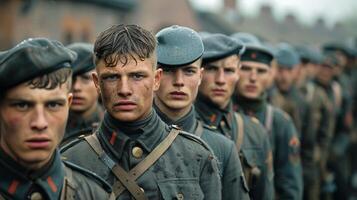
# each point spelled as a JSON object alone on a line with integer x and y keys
{"x": 85, "y": 58}
{"x": 335, "y": 46}
{"x": 178, "y": 45}
{"x": 32, "y": 58}
{"x": 218, "y": 46}
{"x": 246, "y": 38}
{"x": 286, "y": 56}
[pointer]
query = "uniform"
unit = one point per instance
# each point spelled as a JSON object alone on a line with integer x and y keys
{"x": 282, "y": 133}
{"x": 255, "y": 151}
{"x": 28, "y": 60}
{"x": 179, "y": 47}
{"x": 186, "y": 170}
{"x": 234, "y": 185}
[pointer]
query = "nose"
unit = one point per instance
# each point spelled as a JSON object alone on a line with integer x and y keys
{"x": 124, "y": 87}
{"x": 178, "y": 80}
{"x": 39, "y": 121}
{"x": 219, "y": 79}
{"x": 76, "y": 84}
{"x": 253, "y": 76}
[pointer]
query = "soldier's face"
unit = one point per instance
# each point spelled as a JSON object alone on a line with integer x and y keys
{"x": 179, "y": 87}
{"x": 219, "y": 79}
{"x": 285, "y": 78}
{"x": 85, "y": 95}
{"x": 254, "y": 79}
{"x": 127, "y": 91}
{"x": 33, "y": 123}
{"x": 325, "y": 74}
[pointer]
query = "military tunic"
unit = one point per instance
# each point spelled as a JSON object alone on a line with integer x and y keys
{"x": 255, "y": 151}
{"x": 53, "y": 182}
{"x": 285, "y": 144}
{"x": 186, "y": 170}
{"x": 232, "y": 177}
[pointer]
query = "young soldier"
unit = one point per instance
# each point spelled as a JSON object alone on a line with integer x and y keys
{"x": 35, "y": 97}
{"x": 133, "y": 149}
{"x": 179, "y": 56}
{"x": 251, "y": 99}
{"x": 85, "y": 112}
{"x": 221, "y": 61}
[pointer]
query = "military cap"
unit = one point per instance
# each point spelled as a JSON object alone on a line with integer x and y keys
{"x": 257, "y": 53}
{"x": 85, "y": 58}
{"x": 246, "y": 38}
{"x": 32, "y": 58}
{"x": 304, "y": 53}
{"x": 286, "y": 56}
{"x": 338, "y": 47}
{"x": 178, "y": 45}
{"x": 330, "y": 60}
{"x": 218, "y": 46}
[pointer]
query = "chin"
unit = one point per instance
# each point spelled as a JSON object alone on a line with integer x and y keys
{"x": 126, "y": 116}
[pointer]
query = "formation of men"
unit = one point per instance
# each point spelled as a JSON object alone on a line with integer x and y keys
{"x": 177, "y": 115}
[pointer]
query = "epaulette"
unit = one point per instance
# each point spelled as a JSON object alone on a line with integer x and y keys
{"x": 75, "y": 135}
{"x": 209, "y": 127}
{"x": 255, "y": 120}
{"x": 71, "y": 143}
{"x": 93, "y": 176}
{"x": 193, "y": 138}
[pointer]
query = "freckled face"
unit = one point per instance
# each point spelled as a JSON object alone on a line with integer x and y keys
{"x": 127, "y": 91}
{"x": 33, "y": 122}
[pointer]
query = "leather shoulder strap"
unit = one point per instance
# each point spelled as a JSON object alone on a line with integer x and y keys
{"x": 269, "y": 119}
{"x": 337, "y": 92}
{"x": 199, "y": 129}
{"x": 128, "y": 179}
{"x": 2, "y": 198}
{"x": 240, "y": 133}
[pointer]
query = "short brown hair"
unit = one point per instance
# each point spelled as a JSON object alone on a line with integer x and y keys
{"x": 121, "y": 42}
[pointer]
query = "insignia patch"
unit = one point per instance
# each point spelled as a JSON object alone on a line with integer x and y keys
{"x": 294, "y": 150}
{"x": 213, "y": 118}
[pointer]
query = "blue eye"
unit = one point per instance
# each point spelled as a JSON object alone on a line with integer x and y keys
{"x": 113, "y": 77}
{"x": 21, "y": 106}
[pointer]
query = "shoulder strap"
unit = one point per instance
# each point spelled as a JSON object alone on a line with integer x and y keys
{"x": 269, "y": 119}
{"x": 336, "y": 88}
{"x": 128, "y": 179}
{"x": 1, "y": 197}
{"x": 199, "y": 129}
{"x": 240, "y": 133}
{"x": 310, "y": 90}
{"x": 68, "y": 189}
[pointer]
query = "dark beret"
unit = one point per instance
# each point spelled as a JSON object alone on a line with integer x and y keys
{"x": 246, "y": 38}
{"x": 32, "y": 58}
{"x": 178, "y": 45}
{"x": 286, "y": 56}
{"x": 339, "y": 47}
{"x": 257, "y": 53}
{"x": 218, "y": 46}
{"x": 85, "y": 58}
{"x": 330, "y": 60}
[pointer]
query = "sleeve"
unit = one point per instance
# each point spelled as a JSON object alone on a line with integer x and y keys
{"x": 287, "y": 163}
{"x": 234, "y": 185}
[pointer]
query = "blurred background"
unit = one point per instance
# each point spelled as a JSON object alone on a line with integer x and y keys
{"x": 297, "y": 21}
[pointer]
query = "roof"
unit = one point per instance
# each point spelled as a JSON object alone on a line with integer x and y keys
{"x": 114, "y": 4}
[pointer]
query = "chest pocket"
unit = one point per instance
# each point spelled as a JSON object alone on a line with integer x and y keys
{"x": 183, "y": 188}
{"x": 252, "y": 161}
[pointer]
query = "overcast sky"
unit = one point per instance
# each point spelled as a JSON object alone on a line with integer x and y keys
{"x": 306, "y": 10}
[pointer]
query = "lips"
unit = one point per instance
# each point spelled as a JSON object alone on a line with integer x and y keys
{"x": 125, "y": 105}
{"x": 77, "y": 100}
{"x": 178, "y": 95}
{"x": 38, "y": 143}
{"x": 250, "y": 88}
{"x": 219, "y": 92}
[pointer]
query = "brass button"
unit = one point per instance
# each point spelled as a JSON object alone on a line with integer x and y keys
{"x": 179, "y": 196}
{"x": 137, "y": 152}
{"x": 142, "y": 189}
{"x": 36, "y": 196}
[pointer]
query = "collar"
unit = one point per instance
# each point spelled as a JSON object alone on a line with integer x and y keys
{"x": 187, "y": 122}
{"x": 211, "y": 114}
{"x": 115, "y": 135}
{"x": 17, "y": 182}
{"x": 76, "y": 121}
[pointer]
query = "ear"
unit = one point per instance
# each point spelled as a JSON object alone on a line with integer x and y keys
{"x": 238, "y": 70}
{"x": 70, "y": 98}
{"x": 96, "y": 81}
{"x": 157, "y": 79}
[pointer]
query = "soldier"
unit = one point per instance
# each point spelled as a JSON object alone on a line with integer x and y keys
{"x": 251, "y": 99}
{"x": 179, "y": 56}
{"x": 35, "y": 97}
{"x": 136, "y": 152}
{"x": 221, "y": 61}
{"x": 301, "y": 112}
{"x": 85, "y": 111}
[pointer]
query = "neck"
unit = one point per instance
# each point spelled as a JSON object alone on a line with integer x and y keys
{"x": 173, "y": 114}
{"x": 89, "y": 112}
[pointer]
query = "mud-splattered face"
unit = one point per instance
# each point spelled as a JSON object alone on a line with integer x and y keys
{"x": 127, "y": 90}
